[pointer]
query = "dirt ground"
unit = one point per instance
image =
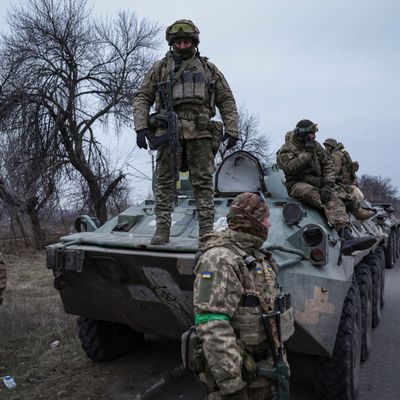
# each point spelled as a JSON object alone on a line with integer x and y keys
{"x": 32, "y": 318}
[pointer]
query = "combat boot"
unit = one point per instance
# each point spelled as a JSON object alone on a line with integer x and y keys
{"x": 362, "y": 214}
{"x": 351, "y": 243}
{"x": 161, "y": 235}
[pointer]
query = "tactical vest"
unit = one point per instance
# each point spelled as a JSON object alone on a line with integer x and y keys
{"x": 193, "y": 89}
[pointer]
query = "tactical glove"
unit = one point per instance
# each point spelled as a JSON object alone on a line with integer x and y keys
{"x": 339, "y": 179}
{"x": 141, "y": 138}
{"x": 240, "y": 395}
{"x": 310, "y": 145}
{"x": 326, "y": 194}
{"x": 231, "y": 140}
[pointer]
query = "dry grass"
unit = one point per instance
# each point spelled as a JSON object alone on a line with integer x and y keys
{"x": 31, "y": 318}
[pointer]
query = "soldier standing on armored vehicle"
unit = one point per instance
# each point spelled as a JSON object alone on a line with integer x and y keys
{"x": 235, "y": 288}
{"x": 345, "y": 170}
{"x": 194, "y": 87}
{"x": 310, "y": 177}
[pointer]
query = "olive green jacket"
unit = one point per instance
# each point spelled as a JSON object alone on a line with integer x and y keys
{"x": 315, "y": 167}
{"x": 342, "y": 164}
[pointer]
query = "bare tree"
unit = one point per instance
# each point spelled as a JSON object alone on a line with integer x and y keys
{"x": 79, "y": 73}
{"x": 251, "y": 139}
{"x": 378, "y": 189}
{"x": 28, "y": 172}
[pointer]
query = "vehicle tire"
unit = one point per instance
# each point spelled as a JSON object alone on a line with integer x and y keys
{"x": 397, "y": 243}
{"x": 381, "y": 255}
{"x": 105, "y": 340}
{"x": 376, "y": 272}
{"x": 364, "y": 283}
{"x": 389, "y": 253}
{"x": 394, "y": 254}
{"x": 338, "y": 377}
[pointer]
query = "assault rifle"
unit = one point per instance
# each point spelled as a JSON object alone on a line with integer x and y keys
{"x": 165, "y": 89}
{"x": 280, "y": 372}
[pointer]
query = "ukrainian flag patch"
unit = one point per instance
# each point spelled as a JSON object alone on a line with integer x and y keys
{"x": 206, "y": 275}
{"x": 259, "y": 270}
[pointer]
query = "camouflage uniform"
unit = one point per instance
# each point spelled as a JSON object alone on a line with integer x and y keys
{"x": 200, "y": 87}
{"x": 345, "y": 176}
{"x": 223, "y": 280}
{"x": 3, "y": 277}
{"x": 307, "y": 173}
{"x": 342, "y": 163}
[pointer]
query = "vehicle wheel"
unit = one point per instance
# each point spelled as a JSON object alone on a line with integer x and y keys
{"x": 364, "y": 282}
{"x": 389, "y": 253}
{"x": 338, "y": 377}
{"x": 376, "y": 273}
{"x": 105, "y": 340}
{"x": 381, "y": 255}
{"x": 397, "y": 243}
{"x": 394, "y": 240}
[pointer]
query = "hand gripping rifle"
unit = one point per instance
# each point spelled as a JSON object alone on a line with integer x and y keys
{"x": 280, "y": 372}
{"x": 165, "y": 89}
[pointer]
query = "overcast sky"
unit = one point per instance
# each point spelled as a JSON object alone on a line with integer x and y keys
{"x": 335, "y": 62}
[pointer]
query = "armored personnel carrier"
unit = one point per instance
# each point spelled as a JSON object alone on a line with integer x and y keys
{"x": 391, "y": 228}
{"x": 122, "y": 287}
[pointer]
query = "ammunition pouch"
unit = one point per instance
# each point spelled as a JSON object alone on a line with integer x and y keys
{"x": 217, "y": 131}
{"x": 249, "y": 328}
{"x": 193, "y": 358}
{"x": 158, "y": 120}
{"x": 284, "y": 306}
{"x": 158, "y": 123}
{"x": 203, "y": 121}
{"x": 287, "y": 324}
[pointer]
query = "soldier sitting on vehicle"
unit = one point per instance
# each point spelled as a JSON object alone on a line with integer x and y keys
{"x": 235, "y": 303}
{"x": 310, "y": 178}
{"x": 345, "y": 171}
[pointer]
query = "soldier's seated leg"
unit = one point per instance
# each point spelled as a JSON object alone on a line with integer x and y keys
{"x": 307, "y": 194}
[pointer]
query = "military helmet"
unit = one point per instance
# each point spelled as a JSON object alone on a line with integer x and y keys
{"x": 331, "y": 142}
{"x": 246, "y": 214}
{"x": 306, "y": 126}
{"x": 183, "y": 28}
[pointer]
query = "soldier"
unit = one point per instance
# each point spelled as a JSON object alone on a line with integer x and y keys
{"x": 310, "y": 177}
{"x": 198, "y": 87}
{"x": 345, "y": 169}
{"x": 236, "y": 283}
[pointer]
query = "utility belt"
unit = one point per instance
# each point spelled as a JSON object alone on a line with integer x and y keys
{"x": 158, "y": 123}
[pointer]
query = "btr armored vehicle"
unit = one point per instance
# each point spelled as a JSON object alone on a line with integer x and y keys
{"x": 122, "y": 287}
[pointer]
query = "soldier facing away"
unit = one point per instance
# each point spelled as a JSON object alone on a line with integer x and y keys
{"x": 310, "y": 178}
{"x": 198, "y": 87}
{"x": 235, "y": 284}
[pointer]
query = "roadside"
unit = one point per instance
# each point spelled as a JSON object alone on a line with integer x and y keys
{"x": 32, "y": 318}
